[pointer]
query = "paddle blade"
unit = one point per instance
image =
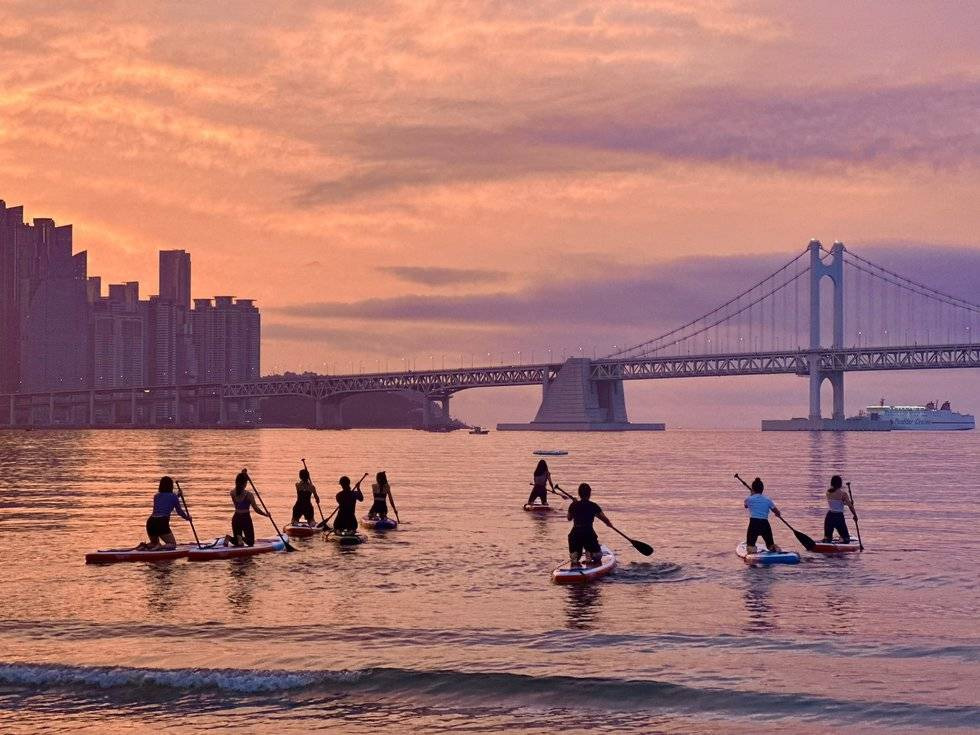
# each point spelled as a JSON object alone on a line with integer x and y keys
{"x": 643, "y": 548}
{"x": 808, "y": 543}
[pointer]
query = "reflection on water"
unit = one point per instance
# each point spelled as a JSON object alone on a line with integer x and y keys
{"x": 761, "y": 615}
{"x": 241, "y": 575}
{"x": 583, "y": 603}
{"x": 163, "y": 589}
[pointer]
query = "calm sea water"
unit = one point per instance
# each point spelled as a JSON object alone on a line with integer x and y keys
{"x": 450, "y": 623}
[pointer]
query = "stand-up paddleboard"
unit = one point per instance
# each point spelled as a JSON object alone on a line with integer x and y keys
{"x": 836, "y": 547}
{"x": 347, "y": 539}
{"x": 538, "y": 508}
{"x": 567, "y": 574}
{"x": 301, "y": 530}
{"x": 764, "y": 556}
{"x": 380, "y": 524}
{"x": 220, "y": 549}
{"x": 112, "y": 556}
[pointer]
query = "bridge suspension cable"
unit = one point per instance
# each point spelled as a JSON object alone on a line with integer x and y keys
{"x": 721, "y": 317}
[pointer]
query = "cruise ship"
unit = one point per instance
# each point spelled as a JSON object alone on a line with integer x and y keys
{"x": 920, "y": 418}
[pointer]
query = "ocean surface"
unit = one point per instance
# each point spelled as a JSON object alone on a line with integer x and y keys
{"x": 450, "y": 623}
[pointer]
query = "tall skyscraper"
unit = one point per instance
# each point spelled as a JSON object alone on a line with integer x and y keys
{"x": 175, "y": 277}
{"x": 43, "y": 306}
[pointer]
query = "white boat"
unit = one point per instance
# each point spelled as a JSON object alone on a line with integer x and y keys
{"x": 920, "y": 418}
{"x": 550, "y": 452}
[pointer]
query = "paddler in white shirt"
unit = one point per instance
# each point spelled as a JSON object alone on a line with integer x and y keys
{"x": 759, "y": 504}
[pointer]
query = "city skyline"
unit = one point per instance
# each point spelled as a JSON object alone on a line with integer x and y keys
{"x": 409, "y": 189}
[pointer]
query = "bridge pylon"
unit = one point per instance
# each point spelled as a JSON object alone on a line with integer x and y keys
{"x": 834, "y": 270}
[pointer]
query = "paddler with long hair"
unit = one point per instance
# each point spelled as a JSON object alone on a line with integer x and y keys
{"x": 165, "y": 502}
{"x": 381, "y": 492}
{"x": 582, "y": 537}
{"x": 837, "y": 498}
{"x": 305, "y": 492}
{"x": 242, "y": 530}
{"x": 346, "y": 506}
{"x": 542, "y": 478}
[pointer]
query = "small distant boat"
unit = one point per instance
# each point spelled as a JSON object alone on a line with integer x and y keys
{"x": 550, "y": 452}
{"x": 479, "y": 430}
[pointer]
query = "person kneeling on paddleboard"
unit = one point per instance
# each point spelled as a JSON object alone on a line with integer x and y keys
{"x": 165, "y": 502}
{"x": 346, "y": 504}
{"x": 759, "y": 505}
{"x": 582, "y": 537}
{"x": 305, "y": 492}
{"x": 837, "y": 498}
{"x": 242, "y": 530}
{"x": 381, "y": 491}
{"x": 542, "y": 478}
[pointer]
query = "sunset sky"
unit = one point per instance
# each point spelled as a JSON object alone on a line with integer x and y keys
{"x": 411, "y": 179}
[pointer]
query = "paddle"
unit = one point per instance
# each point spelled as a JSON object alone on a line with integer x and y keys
{"x": 384, "y": 478}
{"x": 808, "y": 543}
{"x": 180, "y": 494}
{"x": 640, "y": 546}
{"x": 323, "y": 521}
{"x": 855, "y": 517}
{"x": 280, "y": 534}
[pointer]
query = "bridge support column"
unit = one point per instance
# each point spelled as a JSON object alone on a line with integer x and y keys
{"x": 222, "y": 410}
{"x": 574, "y": 401}
{"x": 13, "y": 411}
{"x": 132, "y": 407}
{"x": 91, "y": 408}
{"x": 51, "y": 409}
{"x": 176, "y": 406}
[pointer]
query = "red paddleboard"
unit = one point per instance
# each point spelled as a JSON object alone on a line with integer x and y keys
{"x": 221, "y": 550}
{"x": 112, "y": 556}
{"x": 835, "y": 547}
{"x": 567, "y": 574}
{"x": 536, "y": 508}
{"x": 301, "y": 530}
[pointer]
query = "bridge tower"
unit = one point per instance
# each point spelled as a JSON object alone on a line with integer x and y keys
{"x": 834, "y": 270}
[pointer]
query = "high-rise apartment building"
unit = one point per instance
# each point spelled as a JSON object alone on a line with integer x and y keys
{"x": 226, "y": 335}
{"x": 175, "y": 277}
{"x": 116, "y": 337}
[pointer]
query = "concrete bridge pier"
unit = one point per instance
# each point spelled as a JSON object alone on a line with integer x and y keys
{"x": 328, "y": 412}
{"x": 574, "y": 401}
{"x": 435, "y": 411}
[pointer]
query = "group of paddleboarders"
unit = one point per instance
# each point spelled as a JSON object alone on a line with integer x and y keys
{"x": 759, "y": 505}
{"x": 166, "y": 502}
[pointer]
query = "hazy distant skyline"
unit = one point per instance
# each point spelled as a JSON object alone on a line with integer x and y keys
{"x": 405, "y": 179}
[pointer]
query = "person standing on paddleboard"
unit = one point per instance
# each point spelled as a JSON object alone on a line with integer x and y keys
{"x": 346, "y": 504}
{"x": 381, "y": 491}
{"x": 542, "y": 478}
{"x": 305, "y": 492}
{"x": 242, "y": 530}
{"x": 759, "y": 504}
{"x": 165, "y": 502}
{"x": 837, "y": 498}
{"x": 582, "y": 537}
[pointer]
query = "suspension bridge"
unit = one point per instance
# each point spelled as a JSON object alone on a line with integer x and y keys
{"x": 782, "y": 324}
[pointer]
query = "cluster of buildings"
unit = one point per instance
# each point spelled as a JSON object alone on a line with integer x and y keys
{"x": 60, "y": 332}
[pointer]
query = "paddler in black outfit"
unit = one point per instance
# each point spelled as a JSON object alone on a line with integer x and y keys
{"x": 305, "y": 492}
{"x": 582, "y": 537}
{"x": 346, "y": 504}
